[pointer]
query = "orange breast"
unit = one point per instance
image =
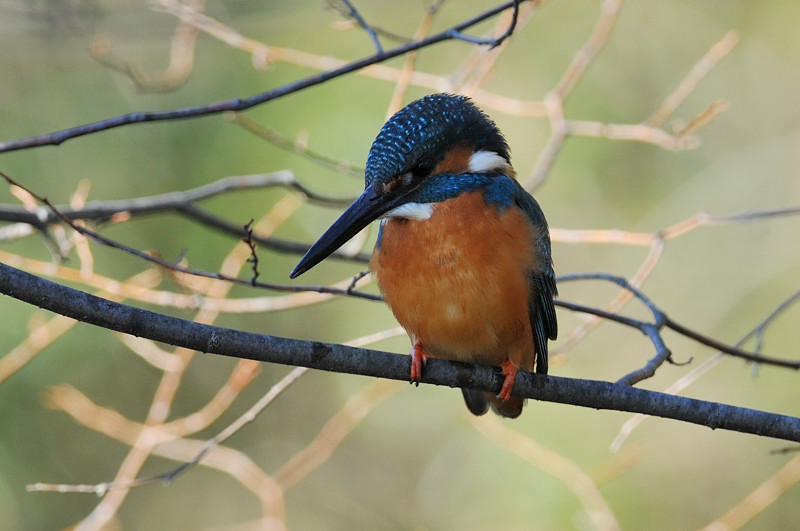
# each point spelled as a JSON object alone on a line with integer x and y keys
{"x": 457, "y": 282}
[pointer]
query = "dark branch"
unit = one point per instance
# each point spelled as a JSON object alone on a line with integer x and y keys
{"x": 662, "y": 320}
{"x": 239, "y": 104}
{"x": 353, "y": 13}
{"x": 276, "y": 244}
{"x": 727, "y": 349}
{"x": 182, "y": 203}
{"x": 170, "y": 201}
{"x": 651, "y": 330}
{"x": 251, "y": 244}
{"x": 339, "y": 358}
{"x": 174, "y": 266}
{"x": 495, "y": 42}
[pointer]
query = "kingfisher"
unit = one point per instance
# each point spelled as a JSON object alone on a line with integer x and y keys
{"x": 462, "y": 256}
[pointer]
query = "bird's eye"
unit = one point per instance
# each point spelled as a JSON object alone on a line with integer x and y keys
{"x": 422, "y": 168}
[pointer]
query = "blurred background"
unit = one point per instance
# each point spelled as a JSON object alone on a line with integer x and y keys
{"x": 392, "y": 456}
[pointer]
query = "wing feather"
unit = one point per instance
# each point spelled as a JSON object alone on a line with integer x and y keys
{"x": 542, "y": 280}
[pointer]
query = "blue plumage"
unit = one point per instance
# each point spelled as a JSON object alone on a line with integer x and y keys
{"x": 463, "y": 256}
{"x": 427, "y": 128}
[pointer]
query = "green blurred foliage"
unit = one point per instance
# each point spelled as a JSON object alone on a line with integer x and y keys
{"x": 415, "y": 462}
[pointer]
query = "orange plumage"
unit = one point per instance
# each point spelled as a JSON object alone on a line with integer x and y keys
{"x": 463, "y": 258}
{"x": 457, "y": 283}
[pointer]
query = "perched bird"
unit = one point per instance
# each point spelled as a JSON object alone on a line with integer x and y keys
{"x": 463, "y": 253}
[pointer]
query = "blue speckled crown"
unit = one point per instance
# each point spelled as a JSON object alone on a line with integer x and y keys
{"x": 430, "y": 125}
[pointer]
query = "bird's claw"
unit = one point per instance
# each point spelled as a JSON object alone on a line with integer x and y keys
{"x": 418, "y": 359}
{"x": 510, "y": 373}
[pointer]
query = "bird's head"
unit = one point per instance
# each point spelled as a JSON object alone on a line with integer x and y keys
{"x": 431, "y": 150}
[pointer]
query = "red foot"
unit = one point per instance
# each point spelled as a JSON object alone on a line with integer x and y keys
{"x": 510, "y": 372}
{"x": 418, "y": 359}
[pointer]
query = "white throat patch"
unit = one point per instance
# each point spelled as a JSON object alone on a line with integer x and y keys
{"x": 418, "y": 211}
{"x": 486, "y": 161}
{"x": 479, "y": 162}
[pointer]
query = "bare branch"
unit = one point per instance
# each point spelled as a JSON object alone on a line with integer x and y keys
{"x": 662, "y": 320}
{"x": 584, "y": 56}
{"x": 492, "y": 42}
{"x": 239, "y": 104}
{"x": 175, "y": 201}
{"x": 181, "y": 57}
{"x": 170, "y": 201}
{"x": 714, "y": 55}
{"x": 280, "y": 141}
{"x": 339, "y": 358}
{"x": 757, "y": 333}
{"x": 351, "y": 11}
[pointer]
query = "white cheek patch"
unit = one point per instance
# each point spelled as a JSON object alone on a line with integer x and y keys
{"x": 487, "y": 161}
{"x": 418, "y": 211}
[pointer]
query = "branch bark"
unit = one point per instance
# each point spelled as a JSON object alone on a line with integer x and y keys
{"x": 238, "y": 104}
{"x": 339, "y": 358}
{"x": 182, "y": 203}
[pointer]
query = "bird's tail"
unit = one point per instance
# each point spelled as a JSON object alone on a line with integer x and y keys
{"x": 478, "y": 403}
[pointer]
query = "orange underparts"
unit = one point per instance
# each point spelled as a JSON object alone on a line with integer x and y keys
{"x": 459, "y": 284}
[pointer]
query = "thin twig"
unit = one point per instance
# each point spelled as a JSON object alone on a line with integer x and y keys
{"x": 491, "y": 42}
{"x": 651, "y": 330}
{"x": 595, "y": 43}
{"x": 700, "y": 70}
{"x": 280, "y": 141}
{"x": 353, "y": 12}
{"x": 239, "y": 104}
{"x": 662, "y": 320}
{"x": 553, "y": 463}
{"x": 181, "y": 57}
{"x": 271, "y": 242}
{"x": 175, "y": 266}
{"x": 690, "y": 378}
{"x": 251, "y": 244}
{"x": 249, "y": 416}
{"x": 170, "y": 201}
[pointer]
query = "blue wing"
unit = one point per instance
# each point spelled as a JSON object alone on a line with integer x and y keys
{"x": 542, "y": 280}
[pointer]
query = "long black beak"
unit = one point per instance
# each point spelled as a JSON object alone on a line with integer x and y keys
{"x": 367, "y": 208}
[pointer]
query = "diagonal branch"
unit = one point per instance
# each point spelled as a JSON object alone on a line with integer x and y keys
{"x": 176, "y": 266}
{"x": 170, "y": 201}
{"x": 239, "y": 104}
{"x": 339, "y": 358}
{"x": 352, "y": 12}
{"x": 491, "y": 42}
{"x": 653, "y": 330}
{"x": 182, "y": 203}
